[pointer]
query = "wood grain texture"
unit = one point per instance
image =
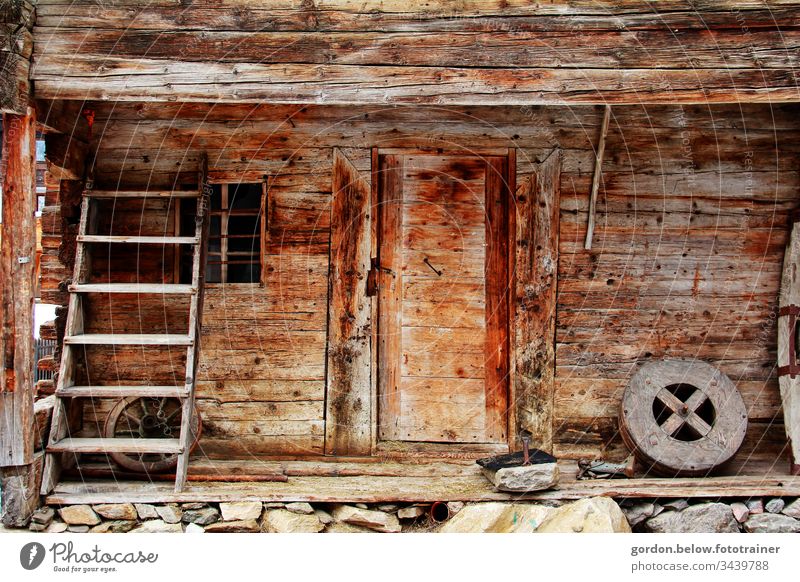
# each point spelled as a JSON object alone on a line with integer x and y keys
{"x": 17, "y": 287}
{"x": 790, "y": 383}
{"x": 536, "y": 276}
{"x": 495, "y": 53}
{"x": 348, "y": 415}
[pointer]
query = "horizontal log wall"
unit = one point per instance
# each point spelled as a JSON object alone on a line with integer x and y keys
{"x": 476, "y": 52}
{"x": 691, "y": 224}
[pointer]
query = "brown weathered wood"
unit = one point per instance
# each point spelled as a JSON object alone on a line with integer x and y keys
{"x": 348, "y": 417}
{"x": 17, "y": 281}
{"x": 496, "y": 365}
{"x": 115, "y": 445}
{"x": 596, "y": 176}
{"x": 390, "y": 294}
{"x": 64, "y": 117}
{"x": 536, "y": 276}
{"x": 789, "y": 380}
{"x": 66, "y": 156}
{"x": 20, "y": 487}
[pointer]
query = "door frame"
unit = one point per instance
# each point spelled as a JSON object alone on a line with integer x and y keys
{"x": 437, "y": 449}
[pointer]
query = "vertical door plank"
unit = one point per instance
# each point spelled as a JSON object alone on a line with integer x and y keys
{"x": 348, "y": 396}
{"x": 537, "y": 221}
{"x": 390, "y": 292}
{"x": 788, "y": 318}
{"x": 496, "y": 347}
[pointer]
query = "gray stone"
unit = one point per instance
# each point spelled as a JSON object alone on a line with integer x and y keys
{"x": 497, "y": 517}
{"x": 203, "y": 516}
{"x": 116, "y": 511}
{"x": 676, "y": 505}
{"x": 158, "y": 526}
{"x": 793, "y": 509}
{"x": 702, "y": 518}
{"x": 740, "y": 512}
{"x": 324, "y": 517}
{"x": 37, "y": 527}
{"x": 78, "y": 515}
{"x": 300, "y": 507}
{"x": 755, "y": 506}
{"x": 78, "y": 529}
{"x": 194, "y": 528}
{"x": 361, "y": 505}
{"x": 169, "y": 513}
{"x": 412, "y": 512}
{"x": 637, "y": 513}
{"x": 43, "y": 515}
{"x": 375, "y": 520}
{"x": 771, "y": 523}
{"x": 657, "y": 509}
{"x": 389, "y": 507}
{"x": 589, "y": 515}
{"x": 240, "y": 510}
{"x": 116, "y": 526}
{"x": 239, "y": 526}
{"x": 274, "y": 505}
{"x": 146, "y": 511}
{"x": 5, "y": 530}
{"x": 56, "y": 527}
{"x": 454, "y": 507}
{"x": 523, "y": 479}
{"x": 775, "y": 505}
{"x": 282, "y": 521}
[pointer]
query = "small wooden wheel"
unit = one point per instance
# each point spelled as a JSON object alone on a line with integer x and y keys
{"x": 137, "y": 417}
{"x": 682, "y": 417}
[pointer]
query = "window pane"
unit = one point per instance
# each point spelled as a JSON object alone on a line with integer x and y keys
{"x": 248, "y": 225}
{"x": 251, "y": 245}
{"x": 244, "y": 273}
{"x": 242, "y": 196}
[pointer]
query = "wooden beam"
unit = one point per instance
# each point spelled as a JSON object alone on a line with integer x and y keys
{"x": 536, "y": 274}
{"x": 16, "y": 46}
{"x": 64, "y": 117}
{"x": 17, "y": 286}
{"x": 598, "y": 172}
{"x": 17, "y": 281}
{"x": 348, "y": 396}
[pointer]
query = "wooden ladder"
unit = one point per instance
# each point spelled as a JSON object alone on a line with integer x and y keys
{"x": 62, "y": 447}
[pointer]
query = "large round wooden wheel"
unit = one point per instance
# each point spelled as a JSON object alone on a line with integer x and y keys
{"x": 682, "y": 417}
{"x": 148, "y": 418}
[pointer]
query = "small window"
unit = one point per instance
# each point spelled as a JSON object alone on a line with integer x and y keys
{"x": 235, "y": 238}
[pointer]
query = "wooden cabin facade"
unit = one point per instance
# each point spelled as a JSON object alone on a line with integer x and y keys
{"x": 398, "y": 274}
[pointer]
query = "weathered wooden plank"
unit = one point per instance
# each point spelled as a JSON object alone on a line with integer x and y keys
{"x": 788, "y": 377}
{"x": 136, "y": 79}
{"x": 536, "y": 274}
{"x": 18, "y": 288}
{"x": 348, "y": 391}
{"x": 390, "y": 293}
{"x": 497, "y": 353}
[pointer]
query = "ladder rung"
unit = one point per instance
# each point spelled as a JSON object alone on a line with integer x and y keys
{"x": 123, "y": 392}
{"x": 142, "y": 193}
{"x": 162, "y": 288}
{"x": 159, "y": 240}
{"x": 116, "y": 339}
{"x": 116, "y": 445}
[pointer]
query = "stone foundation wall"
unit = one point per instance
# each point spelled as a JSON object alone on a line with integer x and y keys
{"x": 598, "y": 514}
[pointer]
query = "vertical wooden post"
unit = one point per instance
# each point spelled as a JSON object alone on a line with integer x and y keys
{"x": 536, "y": 275}
{"x": 348, "y": 407}
{"x": 17, "y": 264}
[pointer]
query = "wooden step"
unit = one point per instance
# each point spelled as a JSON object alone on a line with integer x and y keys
{"x": 156, "y": 288}
{"x": 142, "y": 193}
{"x": 115, "y": 445}
{"x": 143, "y": 240}
{"x": 123, "y": 392}
{"x": 135, "y": 339}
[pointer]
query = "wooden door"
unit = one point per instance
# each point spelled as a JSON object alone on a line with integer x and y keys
{"x": 442, "y": 292}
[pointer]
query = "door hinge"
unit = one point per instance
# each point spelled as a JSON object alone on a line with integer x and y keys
{"x": 373, "y": 277}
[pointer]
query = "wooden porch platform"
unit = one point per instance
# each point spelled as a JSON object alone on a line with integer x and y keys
{"x": 387, "y": 481}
